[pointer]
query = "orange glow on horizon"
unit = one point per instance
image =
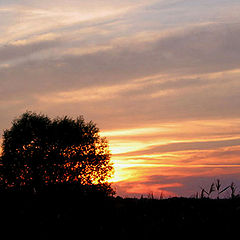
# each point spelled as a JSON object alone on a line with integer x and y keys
{"x": 135, "y": 163}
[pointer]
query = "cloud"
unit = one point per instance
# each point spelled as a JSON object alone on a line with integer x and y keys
{"x": 172, "y": 185}
{"x": 131, "y": 104}
{"x": 27, "y": 18}
{"x": 186, "y": 146}
{"x": 20, "y": 50}
{"x": 199, "y": 50}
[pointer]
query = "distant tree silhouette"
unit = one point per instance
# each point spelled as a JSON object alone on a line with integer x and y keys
{"x": 38, "y": 151}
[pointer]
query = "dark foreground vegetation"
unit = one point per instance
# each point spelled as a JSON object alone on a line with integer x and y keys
{"x": 69, "y": 214}
{"x": 53, "y": 185}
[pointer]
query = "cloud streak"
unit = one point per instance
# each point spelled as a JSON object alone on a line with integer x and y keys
{"x": 187, "y": 146}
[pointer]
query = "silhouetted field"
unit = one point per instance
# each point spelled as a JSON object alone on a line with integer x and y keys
{"x": 73, "y": 215}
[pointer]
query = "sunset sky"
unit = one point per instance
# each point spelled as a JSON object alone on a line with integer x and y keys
{"x": 161, "y": 78}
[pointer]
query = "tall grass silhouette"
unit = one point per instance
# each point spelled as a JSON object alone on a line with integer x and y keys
{"x": 219, "y": 189}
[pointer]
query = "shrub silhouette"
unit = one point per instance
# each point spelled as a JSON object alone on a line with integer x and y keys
{"x": 38, "y": 151}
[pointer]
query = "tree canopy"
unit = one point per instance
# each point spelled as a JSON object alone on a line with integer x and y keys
{"x": 39, "y": 151}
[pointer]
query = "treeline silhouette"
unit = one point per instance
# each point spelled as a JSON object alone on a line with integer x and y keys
{"x": 65, "y": 213}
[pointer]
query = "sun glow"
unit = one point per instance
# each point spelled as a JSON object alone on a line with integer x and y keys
{"x": 120, "y": 172}
{"x": 189, "y": 149}
{"x": 124, "y": 147}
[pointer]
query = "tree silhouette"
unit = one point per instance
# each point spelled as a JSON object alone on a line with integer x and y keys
{"x": 38, "y": 151}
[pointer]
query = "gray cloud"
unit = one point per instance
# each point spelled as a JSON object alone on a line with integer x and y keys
{"x": 193, "y": 184}
{"x": 217, "y": 101}
{"x": 14, "y": 52}
{"x": 202, "y": 49}
{"x": 199, "y": 50}
{"x": 188, "y": 185}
